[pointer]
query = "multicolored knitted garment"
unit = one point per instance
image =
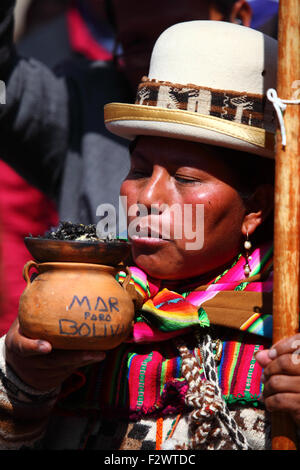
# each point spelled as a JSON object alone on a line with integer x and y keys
{"x": 143, "y": 377}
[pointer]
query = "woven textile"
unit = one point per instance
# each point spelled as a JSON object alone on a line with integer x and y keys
{"x": 230, "y": 105}
{"x": 167, "y": 311}
{"x": 144, "y": 378}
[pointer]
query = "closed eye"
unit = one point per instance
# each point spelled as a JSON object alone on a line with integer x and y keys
{"x": 186, "y": 179}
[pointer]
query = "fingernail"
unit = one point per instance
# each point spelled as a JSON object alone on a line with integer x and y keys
{"x": 44, "y": 347}
{"x": 272, "y": 353}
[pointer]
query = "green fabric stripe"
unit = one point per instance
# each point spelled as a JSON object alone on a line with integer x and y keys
{"x": 163, "y": 375}
{"x": 141, "y": 388}
{"x": 144, "y": 286}
{"x": 136, "y": 280}
{"x": 253, "y": 327}
{"x": 233, "y": 365}
{"x": 243, "y": 400}
{"x": 264, "y": 260}
{"x": 226, "y": 270}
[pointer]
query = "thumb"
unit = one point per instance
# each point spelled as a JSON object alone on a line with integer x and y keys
{"x": 264, "y": 357}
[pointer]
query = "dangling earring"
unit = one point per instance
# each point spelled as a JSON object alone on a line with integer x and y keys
{"x": 247, "y": 246}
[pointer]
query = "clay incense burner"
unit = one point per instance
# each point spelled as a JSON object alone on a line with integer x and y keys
{"x": 72, "y": 299}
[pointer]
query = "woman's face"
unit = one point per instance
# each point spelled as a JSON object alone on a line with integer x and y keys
{"x": 190, "y": 214}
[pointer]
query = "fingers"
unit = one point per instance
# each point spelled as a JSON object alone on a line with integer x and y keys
{"x": 281, "y": 376}
{"x": 281, "y": 384}
{"x": 41, "y": 366}
{"x": 284, "y": 356}
{"x": 20, "y": 345}
{"x": 49, "y": 372}
{"x": 263, "y": 357}
{"x": 60, "y": 359}
{"x": 26, "y": 347}
{"x": 287, "y": 345}
{"x": 47, "y": 358}
{"x": 286, "y": 402}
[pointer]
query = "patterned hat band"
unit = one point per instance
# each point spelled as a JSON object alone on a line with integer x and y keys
{"x": 241, "y": 108}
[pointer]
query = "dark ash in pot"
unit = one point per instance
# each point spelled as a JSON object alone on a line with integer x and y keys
{"x": 78, "y": 232}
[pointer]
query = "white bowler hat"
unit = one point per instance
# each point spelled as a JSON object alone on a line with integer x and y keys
{"x": 207, "y": 83}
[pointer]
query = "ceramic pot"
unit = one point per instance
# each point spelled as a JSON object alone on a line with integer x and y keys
{"x": 76, "y": 305}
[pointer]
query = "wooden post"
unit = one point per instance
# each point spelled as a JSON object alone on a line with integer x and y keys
{"x": 287, "y": 202}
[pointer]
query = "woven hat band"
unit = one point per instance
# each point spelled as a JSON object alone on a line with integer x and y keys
{"x": 242, "y": 108}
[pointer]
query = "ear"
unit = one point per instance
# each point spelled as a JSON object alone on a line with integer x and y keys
{"x": 258, "y": 207}
{"x": 241, "y": 11}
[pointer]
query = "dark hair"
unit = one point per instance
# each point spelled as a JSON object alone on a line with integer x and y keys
{"x": 225, "y": 6}
{"x": 251, "y": 172}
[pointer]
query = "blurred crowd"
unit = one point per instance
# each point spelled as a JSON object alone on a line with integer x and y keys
{"x": 54, "y": 31}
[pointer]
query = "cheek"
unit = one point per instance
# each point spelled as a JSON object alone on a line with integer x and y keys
{"x": 215, "y": 221}
{"x": 222, "y": 204}
{"x": 128, "y": 189}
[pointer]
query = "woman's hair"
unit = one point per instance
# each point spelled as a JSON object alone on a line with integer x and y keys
{"x": 224, "y": 6}
{"x": 251, "y": 172}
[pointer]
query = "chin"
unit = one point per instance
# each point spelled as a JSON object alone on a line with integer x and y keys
{"x": 156, "y": 270}
{"x": 153, "y": 268}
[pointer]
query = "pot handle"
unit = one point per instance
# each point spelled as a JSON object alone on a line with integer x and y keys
{"x": 26, "y": 270}
{"x": 127, "y": 279}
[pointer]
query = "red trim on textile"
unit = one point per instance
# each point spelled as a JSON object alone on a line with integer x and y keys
{"x": 81, "y": 39}
{"x": 73, "y": 383}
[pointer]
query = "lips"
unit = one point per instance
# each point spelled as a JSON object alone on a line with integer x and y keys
{"x": 149, "y": 229}
{"x": 148, "y": 241}
{"x": 148, "y": 235}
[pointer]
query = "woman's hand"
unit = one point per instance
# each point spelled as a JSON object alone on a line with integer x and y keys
{"x": 40, "y": 366}
{"x": 281, "y": 366}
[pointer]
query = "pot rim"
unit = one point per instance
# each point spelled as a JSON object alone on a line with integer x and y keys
{"x": 89, "y": 266}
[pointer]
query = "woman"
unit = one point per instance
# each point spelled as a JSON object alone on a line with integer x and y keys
{"x": 190, "y": 377}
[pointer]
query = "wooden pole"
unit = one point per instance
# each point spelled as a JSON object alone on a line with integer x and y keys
{"x": 287, "y": 197}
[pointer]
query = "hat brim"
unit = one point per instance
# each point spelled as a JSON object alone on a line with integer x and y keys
{"x": 131, "y": 120}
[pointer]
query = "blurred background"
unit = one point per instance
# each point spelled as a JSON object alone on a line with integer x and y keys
{"x": 51, "y": 31}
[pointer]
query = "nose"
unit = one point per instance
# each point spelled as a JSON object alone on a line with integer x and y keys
{"x": 154, "y": 189}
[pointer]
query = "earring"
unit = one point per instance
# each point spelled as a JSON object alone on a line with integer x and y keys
{"x": 247, "y": 246}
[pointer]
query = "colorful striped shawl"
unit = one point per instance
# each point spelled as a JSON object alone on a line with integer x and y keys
{"x": 165, "y": 312}
{"x": 143, "y": 376}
